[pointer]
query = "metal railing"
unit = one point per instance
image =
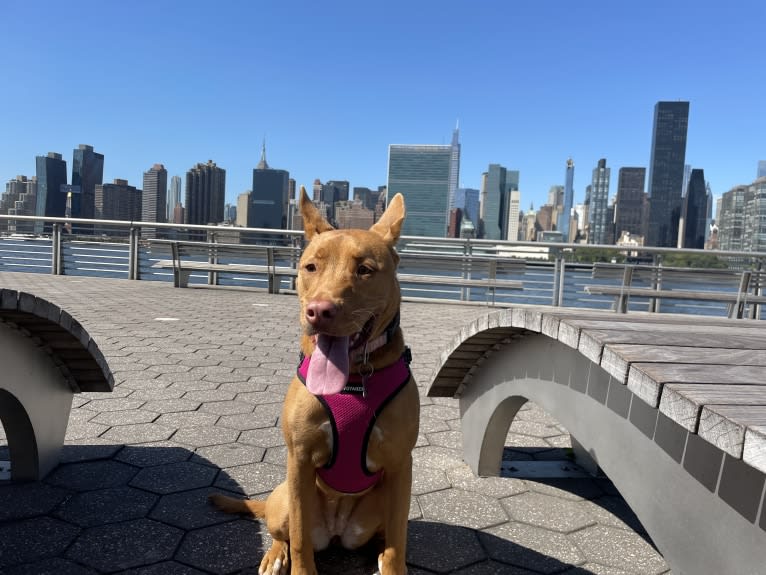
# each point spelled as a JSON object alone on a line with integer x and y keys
{"x": 550, "y": 273}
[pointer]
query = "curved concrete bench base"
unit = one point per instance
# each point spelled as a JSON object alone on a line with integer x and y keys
{"x": 697, "y": 532}
{"x": 35, "y": 401}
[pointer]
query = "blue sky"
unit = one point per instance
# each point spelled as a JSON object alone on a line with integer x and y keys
{"x": 330, "y": 85}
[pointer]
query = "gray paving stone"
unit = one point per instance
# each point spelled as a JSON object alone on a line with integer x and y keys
{"x": 238, "y": 545}
{"x": 442, "y": 548}
{"x": 106, "y": 506}
{"x": 623, "y": 552}
{"x": 450, "y": 439}
{"x": 229, "y": 455}
{"x": 164, "y": 568}
{"x": 174, "y": 477}
{"x": 226, "y": 407}
{"x": 493, "y": 568}
{"x": 125, "y": 545}
{"x": 117, "y": 404}
{"x": 202, "y": 436}
{"x": 190, "y": 509}
{"x": 172, "y": 405}
{"x": 151, "y": 454}
{"x": 548, "y": 512}
{"x": 438, "y": 457}
{"x": 89, "y": 449}
{"x": 181, "y": 419}
{"x": 34, "y": 539}
{"x": 265, "y": 437}
{"x": 23, "y": 500}
{"x": 127, "y": 417}
{"x": 138, "y": 433}
{"x": 246, "y": 421}
{"x": 428, "y": 479}
{"x": 92, "y": 475}
{"x": 210, "y": 395}
{"x": 463, "y": 478}
{"x": 531, "y": 547}
{"x": 252, "y": 479}
{"x": 53, "y": 566}
{"x": 465, "y": 508}
{"x": 276, "y": 455}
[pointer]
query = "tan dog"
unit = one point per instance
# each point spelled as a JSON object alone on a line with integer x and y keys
{"x": 349, "y": 298}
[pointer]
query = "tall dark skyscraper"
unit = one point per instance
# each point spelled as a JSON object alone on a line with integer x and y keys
{"x": 269, "y": 200}
{"x": 600, "y": 225}
{"x": 630, "y": 207}
{"x": 695, "y": 211}
{"x": 666, "y": 172}
{"x": 87, "y": 173}
{"x": 154, "y": 199}
{"x": 205, "y": 194}
{"x": 51, "y": 176}
{"x": 454, "y": 167}
{"x": 497, "y": 185}
{"x": 566, "y": 213}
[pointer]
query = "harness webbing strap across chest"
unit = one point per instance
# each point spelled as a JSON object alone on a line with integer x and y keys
{"x": 352, "y": 416}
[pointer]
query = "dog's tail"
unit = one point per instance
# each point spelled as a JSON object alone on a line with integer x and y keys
{"x": 233, "y": 505}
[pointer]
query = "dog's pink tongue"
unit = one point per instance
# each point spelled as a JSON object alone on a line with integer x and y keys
{"x": 328, "y": 370}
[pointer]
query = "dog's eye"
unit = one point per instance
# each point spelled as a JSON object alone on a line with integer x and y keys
{"x": 363, "y": 270}
{"x": 311, "y": 268}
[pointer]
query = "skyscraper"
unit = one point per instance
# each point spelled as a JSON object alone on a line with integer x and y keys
{"x": 269, "y": 200}
{"x": 205, "y": 194}
{"x": 563, "y": 221}
{"x": 497, "y": 185}
{"x": 87, "y": 173}
{"x": 454, "y": 167}
{"x": 174, "y": 196}
{"x": 600, "y": 226}
{"x": 695, "y": 212}
{"x": 19, "y": 199}
{"x": 629, "y": 209}
{"x": 154, "y": 199}
{"x": 51, "y": 175}
{"x": 117, "y": 201}
{"x": 514, "y": 199}
{"x": 421, "y": 173}
{"x": 666, "y": 172}
{"x": 467, "y": 199}
{"x": 761, "y": 169}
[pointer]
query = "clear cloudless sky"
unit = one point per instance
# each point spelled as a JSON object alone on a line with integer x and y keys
{"x": 329, "y": 85}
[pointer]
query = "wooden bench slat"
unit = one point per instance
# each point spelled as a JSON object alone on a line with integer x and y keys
{"x": 683, "y": 402}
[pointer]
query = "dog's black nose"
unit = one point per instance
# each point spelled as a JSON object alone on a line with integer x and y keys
{"x": 320, "y": 311}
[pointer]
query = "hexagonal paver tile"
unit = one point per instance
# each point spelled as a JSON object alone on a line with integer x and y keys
{"x": 89, "y": 449}
{"x": 205, "y": 435}
{"x": 427, "y": 479}
{"x": 442, "y": 548}
{"x": 187, "y": 419}
{"x": 156, "y": 453}
{"x": 612, "y": 511}
{"x": 125, "y": 545}
{"x": 127, "y": 417}
{"x": 493, "y": 568}
{"x": 210, "y": 395}
{"x": 245, "y": 421}
{"x": 438, "y": 457}
{"x": 548, "y": 512}
{"x": 451, "y": 439}
{"x": 174, "y": 477}
{"x": 225, "y": 548}
{"x": 20, "y": 500}
{"x": 106, "y": 506}
{"x": 264, "y": 437}
{"x": 465, "y": 508}
{"x": 596, "y": 569}
{"x": 164, "y": 568}
{"x": 531, "y": 547}
{"x": 463, "y": 478}
{"x": 92, "y": 475}
{"x": 251, "y": 479}
{"x": 172, "y": 405}
{"x": 34, "y": 539}
{"x": 116, "y": 404}
{"x": 229, "y": 455}
{"x": 276, "y": 455}
{"x": 625, "y": 549}
{"x": 575, "y": 489}
{"x": 53, "y": 566}
{"x": 138, "y": 433}
{"x": 190, "y": 509}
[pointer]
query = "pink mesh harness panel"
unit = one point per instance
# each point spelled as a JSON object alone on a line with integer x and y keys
{"x": 352, "y": 415}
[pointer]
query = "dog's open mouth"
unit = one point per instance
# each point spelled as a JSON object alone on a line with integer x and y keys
{"x": 329, "y": 367}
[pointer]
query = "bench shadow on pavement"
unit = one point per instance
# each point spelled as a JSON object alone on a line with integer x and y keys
{"x": 144, "y": 510}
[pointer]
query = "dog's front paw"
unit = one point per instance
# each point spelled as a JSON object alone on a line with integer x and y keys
{"x": 276, "y": 561}
{"x": 386, "y": 567}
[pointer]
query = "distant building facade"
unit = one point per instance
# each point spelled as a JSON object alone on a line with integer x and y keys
{"x": 87, "y": 173}
{"x": 497, "y": 184}
{"x": 19, "y": 199}
{"x": 154, "y": 199}
{"x": 174, "y": 196}
{"x": 666, "y": 172}
{"x": 630, "y": 205}
{"x": 117, "y": 201}
{"x": 205, "y": 194}
{"x": 695, "y": 208}
{"x": 599, "y": 224}
{"x": 353, "y": 215}
{"x": 51, "y": 176}
{"x": 454, "y": 167}
{"x": 566, "y": 210}
{"x": 421, "y": 173}
{"x": 269, "y": 200}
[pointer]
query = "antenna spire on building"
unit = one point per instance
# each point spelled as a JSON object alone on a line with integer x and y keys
{"x": 262, "y": 165}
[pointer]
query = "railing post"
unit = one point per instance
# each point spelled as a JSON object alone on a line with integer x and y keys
{"x": 133, "y": 273}
{"x": 56, "y": 250}
{"x": 212, "y": 277}
{"x": 554, "y": 280}
{"x": 562, "y": 278}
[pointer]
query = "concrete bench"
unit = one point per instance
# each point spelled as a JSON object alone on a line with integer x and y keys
{"x": 46, "y": 357}
{"x": 447, "y": 269}
{"x": 672, "y": 408}
{"x": 187, "y": 257}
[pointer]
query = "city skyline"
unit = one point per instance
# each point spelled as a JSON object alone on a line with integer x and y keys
{"x": 388, "y": 79}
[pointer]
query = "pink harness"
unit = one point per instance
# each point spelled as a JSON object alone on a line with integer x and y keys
{"x": 352, "y": 414}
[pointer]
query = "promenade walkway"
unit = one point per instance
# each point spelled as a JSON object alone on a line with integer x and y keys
{"x": 200, "y": 376}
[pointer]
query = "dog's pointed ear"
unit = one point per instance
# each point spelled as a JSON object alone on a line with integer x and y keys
{"x": 313, "y": 222}
{"x": 389, "y": 226}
